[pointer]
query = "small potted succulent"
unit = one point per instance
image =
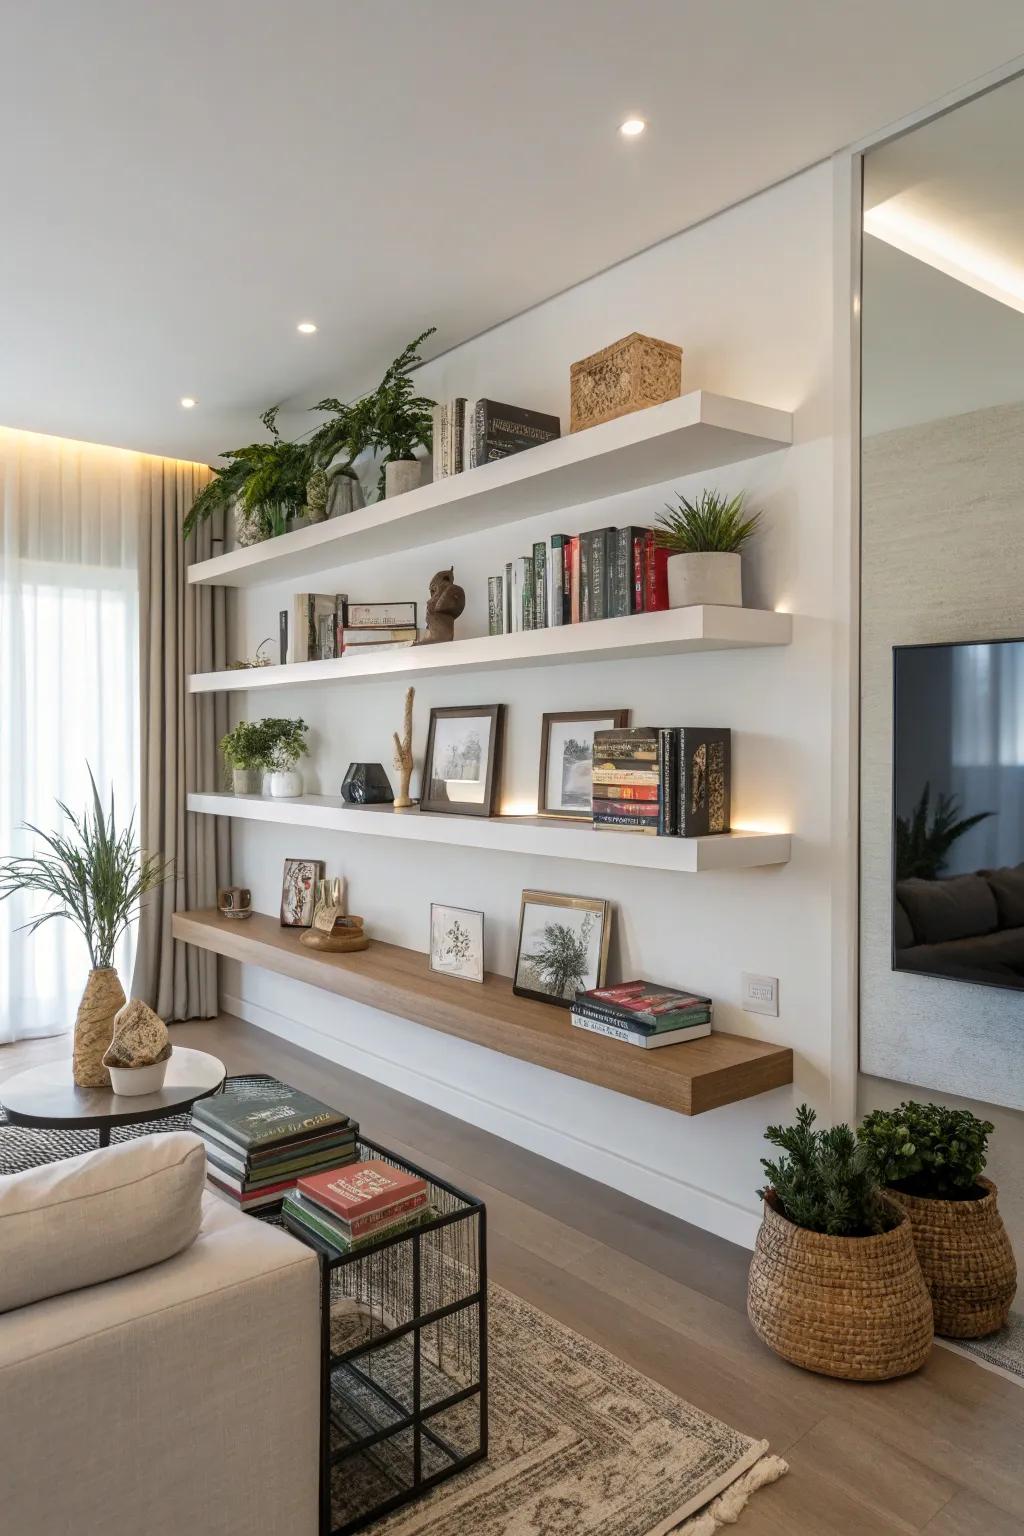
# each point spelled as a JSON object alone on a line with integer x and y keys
{"x": 704, "y": 539}
{"x": 834, "y": 1283}
{"x": 392, "y": 420}
{"x": 930, "y": 1158}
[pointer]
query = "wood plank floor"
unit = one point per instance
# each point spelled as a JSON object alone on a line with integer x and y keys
{"x": 939, "y": 1452}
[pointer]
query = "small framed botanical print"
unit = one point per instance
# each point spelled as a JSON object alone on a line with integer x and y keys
{"x": 563, "y": 946}
{"x": 299, "y": 891}
{"x": 462, "y": 767}
{"x": 457, "y": 942}
{"x": 566, "y": 754}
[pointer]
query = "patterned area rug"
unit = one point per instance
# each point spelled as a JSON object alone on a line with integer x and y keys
{"x": 1002, "y": 1352}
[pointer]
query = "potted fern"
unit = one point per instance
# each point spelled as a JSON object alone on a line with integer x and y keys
{"x": 834, "y": 1283}
{"x": 705, "y": 539}
{"x": 392, "y": 420}
{"x": 96, "y": 877}
{"x": 930, "y": 1158}
{"x": 264, "y": 484}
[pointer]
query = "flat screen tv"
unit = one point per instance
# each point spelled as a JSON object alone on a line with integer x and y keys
{"x": 958, "y": 812}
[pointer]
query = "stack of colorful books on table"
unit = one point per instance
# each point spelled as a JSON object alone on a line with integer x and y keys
{"x": 352, "y": 1208}
{"x": 642, "y": 1013}
{"x": 261, "y": 1140}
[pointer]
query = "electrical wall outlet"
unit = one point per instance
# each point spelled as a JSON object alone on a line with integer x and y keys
{"x": 760, "y": 994}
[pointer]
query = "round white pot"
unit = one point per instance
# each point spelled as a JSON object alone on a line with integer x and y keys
{"x": 705, "y": 578}
{"x": 129, "y": 1082}
{"x": 402, "y": 475}
{"x": 285, "y": 783}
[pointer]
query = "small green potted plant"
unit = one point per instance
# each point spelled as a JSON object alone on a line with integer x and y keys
{"x": 834, "y": 1284}
{"x": 96, "y": 875}
{"x": 705, "y": 539}
{"x": 269, "y": 747}
{"x": 930, "y": 1158}
{"x": 392, "y": 420}
{"x": 263, "y": 483}
{"x": 287, "y": 745}
{"x": 244, "y": 750}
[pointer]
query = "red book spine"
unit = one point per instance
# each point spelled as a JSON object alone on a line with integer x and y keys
{"x": 627, "y": 791}
{"x": 655, "y": 576}
{"x": 638, "y": 574}
{"x": 626, "y": 808}
{"x": 360, "y": 1225}
{"x": 574, "y": 579}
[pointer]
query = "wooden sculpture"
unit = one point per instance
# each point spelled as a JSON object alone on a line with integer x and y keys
{"x": 444, "y": 605}
{"x": 403, "y": 755}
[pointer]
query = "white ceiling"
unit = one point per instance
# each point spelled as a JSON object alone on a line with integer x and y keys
{"x": 184, "y": 182}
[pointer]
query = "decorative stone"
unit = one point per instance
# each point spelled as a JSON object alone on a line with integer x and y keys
{"x": 94, "y": 1027}
{"x": 140, "y": 1037}
{"x": 366, "y": 784}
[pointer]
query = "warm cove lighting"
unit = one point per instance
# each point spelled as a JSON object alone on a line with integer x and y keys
{"x": 766, "y": 828}
{"x": 187, "y": 402}
{"x": 306, "y": 327}
{"x": 632, "y": 128}
{"x": 939, "y": 247}
{"x": 519, "y": 808}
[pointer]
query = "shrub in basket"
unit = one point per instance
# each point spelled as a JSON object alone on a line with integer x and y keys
{"x": 834, "y": 1282}
{"x": 930, "y": 1159}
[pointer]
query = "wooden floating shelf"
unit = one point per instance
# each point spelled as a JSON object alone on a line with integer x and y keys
{"x": 537, "y": 836}
{"x": 689, "y": 1078}
{"x": 696, "y": 432}
{"x": 676, "y": 632}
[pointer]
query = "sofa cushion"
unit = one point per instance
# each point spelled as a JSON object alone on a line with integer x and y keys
{"x": 960, "y": 908}
{"x": 1008, "y": 889}
{"x": 97, "y": 1216}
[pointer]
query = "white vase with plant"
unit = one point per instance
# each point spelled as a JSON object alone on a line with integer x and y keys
{"x": 704, "y": 539}
{"x": 263, "y": 754}
{"x": 287, "y": 745}
{"x": 96, "y": 876}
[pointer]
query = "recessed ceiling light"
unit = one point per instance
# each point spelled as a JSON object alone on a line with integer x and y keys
{"x": 306, "y": 327}
{"x": 187, "y": 401}
{"x": 632, "y": 127}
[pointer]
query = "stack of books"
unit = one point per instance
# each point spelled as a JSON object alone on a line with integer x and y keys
{"x": 667, "y": 781}
{"x": 468, "y": 433}
{"x": 642, "y": 1013}
{"x": 258, "y": 1146}
{"x": 606, "y": 573}
{"x": 370, "y": 627}
{"x": 353, "y": 1208}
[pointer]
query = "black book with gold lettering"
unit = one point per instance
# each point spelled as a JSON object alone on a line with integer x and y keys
{"x": 250, "y": 1120}
{"x": 500, "y": 430}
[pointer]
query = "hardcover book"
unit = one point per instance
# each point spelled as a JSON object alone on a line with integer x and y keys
{"x": 379, "y": 616}
{"x": 372, "y": 1221}
{"x": 558, "y": 580}
{"x": 681, "y": 1020}
{"x": 352, "y": 639}
{"x": 632, "y": 1037}
{"x": 622, "y": 586}
{"x": 655, "y": 570}
{"x": 282, "y": 636}
{"x": 540, "y": 585}
{"x": 495, "y": 605}
{"x": 500, "y": 430}
{"x": 250, "y": 1120}
{"x": 645, "y": 1000}
{"x": 705, "y": 773}
{"x": 364, "y": 1188}
{"x": 320, "y": 1223}
{"x": 314, "y": 627}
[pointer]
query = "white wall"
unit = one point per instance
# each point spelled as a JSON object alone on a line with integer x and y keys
{"x": 749, "y": 296}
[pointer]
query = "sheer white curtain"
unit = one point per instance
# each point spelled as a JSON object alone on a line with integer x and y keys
{"x": 69, "y": 685}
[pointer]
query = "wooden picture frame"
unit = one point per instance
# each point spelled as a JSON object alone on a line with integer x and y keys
{"x": 603, "y": 720}
{"x": 299, "y": 882}
{"x": 461, "y": 771}
{"x": 527, "y": 976}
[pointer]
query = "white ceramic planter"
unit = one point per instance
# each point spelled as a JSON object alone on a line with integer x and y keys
{"x": 705, "y": 578}
{"x": 129, "y": 1082}
{"x": 402, "y": 475}
{"x": 285, "y": 783}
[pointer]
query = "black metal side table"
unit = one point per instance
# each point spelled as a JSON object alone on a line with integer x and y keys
{"x": 403, "y": 1357}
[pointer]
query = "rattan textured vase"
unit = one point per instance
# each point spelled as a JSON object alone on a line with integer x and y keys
{"x": 94, "y": 1027}
{"x": 966, "y": 1259}
{"x": 854, "y": 1307}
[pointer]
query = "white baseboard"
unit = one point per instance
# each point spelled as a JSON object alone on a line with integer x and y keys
{"x": 650, "y": 1185}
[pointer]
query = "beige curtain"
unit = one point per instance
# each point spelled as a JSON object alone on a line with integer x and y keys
{"x": 182, "y": 629}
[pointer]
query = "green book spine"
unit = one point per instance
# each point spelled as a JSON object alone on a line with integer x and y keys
{"x": 540, "y": 586}
{"x": 325, "y": 1229}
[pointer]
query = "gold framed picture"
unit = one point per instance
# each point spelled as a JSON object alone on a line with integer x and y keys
{"x": 563, "y": 946}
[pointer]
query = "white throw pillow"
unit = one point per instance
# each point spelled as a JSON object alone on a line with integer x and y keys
{"x": 99, "y": 1215}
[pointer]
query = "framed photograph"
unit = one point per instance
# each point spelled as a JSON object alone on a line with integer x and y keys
{"x": 299, "y": 891}
{"x": 462, "y": 766}
{"x": 563, "y": 946}
{"x": 457, "y": 942}
{"x": 566, "y": 753}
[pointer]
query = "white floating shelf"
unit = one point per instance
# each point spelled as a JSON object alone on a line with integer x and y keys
{"x": 673, "y": 632}
{"x": 537, "y": 836}
{"x": 696, "y": 432}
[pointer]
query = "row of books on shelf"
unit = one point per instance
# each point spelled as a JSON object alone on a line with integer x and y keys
{"x": 468, "y": 433}
{"x": 667, "y": 781}
{"x": 322, "y": 626}
{"x": 644, "y": 1014}
{"x": 605, "y": 573}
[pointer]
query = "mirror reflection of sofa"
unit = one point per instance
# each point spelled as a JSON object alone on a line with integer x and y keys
{"x": 968, "y": 926}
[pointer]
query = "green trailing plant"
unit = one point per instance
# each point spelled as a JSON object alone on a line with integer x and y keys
{"x": 923, "y": 842}
{"x": 826, "y": 1181}
{"x": 927, "y": 1149}
{"x": 271, "y": 744}
{"x": 267, "y": 480}
{"x": 392, "y": 420}
{"x": 94, "y": 873}
{"x": 713, "y": 524}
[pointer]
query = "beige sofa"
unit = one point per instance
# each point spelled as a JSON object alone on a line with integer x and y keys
{"x": 177, "y": 1400}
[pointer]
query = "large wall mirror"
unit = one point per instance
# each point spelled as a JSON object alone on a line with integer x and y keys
{"x": 942, "y": 603}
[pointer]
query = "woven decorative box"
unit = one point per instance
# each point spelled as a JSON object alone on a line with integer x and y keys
{"x": 627, "y": 376}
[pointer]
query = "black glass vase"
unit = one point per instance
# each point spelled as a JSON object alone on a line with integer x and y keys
{"x": 366, "y": 784}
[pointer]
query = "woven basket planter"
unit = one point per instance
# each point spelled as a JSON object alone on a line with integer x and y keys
{"x": 966, "y": 1259}
{"x": 855, "y": 1307}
